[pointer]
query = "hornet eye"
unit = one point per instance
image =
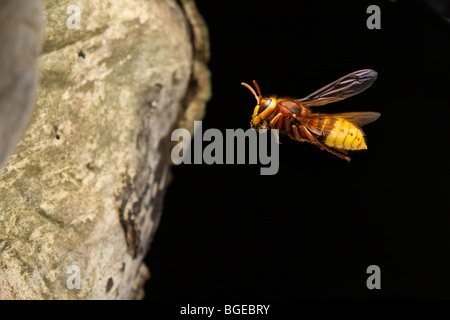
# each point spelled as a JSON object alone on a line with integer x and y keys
{"x": 264, "y": 105}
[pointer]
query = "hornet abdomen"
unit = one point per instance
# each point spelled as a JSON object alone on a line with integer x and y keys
{"x": 342, "y": 134}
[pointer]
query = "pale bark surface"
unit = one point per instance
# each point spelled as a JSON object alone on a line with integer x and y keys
{"x": 86, "y": 182}
{"x": 20, "y": 41}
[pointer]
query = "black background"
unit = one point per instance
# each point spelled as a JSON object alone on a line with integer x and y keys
{"x": 311, "y": 230}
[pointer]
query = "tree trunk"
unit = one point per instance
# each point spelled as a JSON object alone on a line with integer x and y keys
{"x": 80, "y": 198}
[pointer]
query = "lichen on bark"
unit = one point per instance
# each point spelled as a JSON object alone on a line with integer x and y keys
{"x": 86, "y": 183}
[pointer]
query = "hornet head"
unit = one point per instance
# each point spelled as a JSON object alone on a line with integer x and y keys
{"x": 264, "y": 108}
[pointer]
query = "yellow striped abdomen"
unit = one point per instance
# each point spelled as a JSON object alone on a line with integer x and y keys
{"x": 345, "y": 135}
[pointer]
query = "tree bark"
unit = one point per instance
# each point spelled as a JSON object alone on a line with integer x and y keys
{"x": 20, "y": 39}
{"x": 80, "y": 199}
